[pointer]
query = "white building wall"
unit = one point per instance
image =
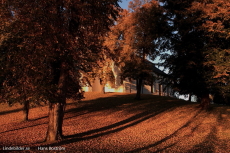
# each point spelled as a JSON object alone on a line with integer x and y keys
{"x": 87, "y": 89}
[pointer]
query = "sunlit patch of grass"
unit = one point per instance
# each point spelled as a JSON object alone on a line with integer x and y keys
{"x": 6, "y": 107}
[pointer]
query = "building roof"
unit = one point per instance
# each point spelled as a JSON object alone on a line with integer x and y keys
{"x": 155, "y": 69}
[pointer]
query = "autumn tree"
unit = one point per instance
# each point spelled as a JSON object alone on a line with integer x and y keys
{"x": 44, "y": 46}
{"x": 218, "y": 48}
{"x": 199, "y": 63}
{"x": 136, "y": 36}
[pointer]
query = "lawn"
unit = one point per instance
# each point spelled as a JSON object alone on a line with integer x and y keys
{"x": 115, "y": 122}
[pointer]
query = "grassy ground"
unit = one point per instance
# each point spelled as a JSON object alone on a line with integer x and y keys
{"x": 115, "y": 122}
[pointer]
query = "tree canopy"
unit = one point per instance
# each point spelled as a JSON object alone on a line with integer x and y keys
{"x": 199, "y": 63}
{"x": 45, "y": 44}
{"x": 137, "y": 35}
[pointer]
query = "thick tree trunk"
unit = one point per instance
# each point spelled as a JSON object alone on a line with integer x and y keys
{"x": 138, "y": 87}
{"x": 205, "y": 101}
{"x": 26, "y": 110}
{"x": 139, "y": 80}
{"x": 57, "y": 109}
{"x": 103, "y": 89}
{"x": 56, "y": 114}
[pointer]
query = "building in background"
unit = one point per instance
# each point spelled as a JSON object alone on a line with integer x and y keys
{"x": 157, "y": 87}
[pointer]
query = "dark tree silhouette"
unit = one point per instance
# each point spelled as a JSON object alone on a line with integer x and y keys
{"x": 45, "y": 44}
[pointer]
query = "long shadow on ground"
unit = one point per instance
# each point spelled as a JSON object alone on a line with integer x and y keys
{"x": 167, "y": 137}
{"x": 142, "y": 110}
{"x": 148, "y": 107}
{"x": 210, "y": 142}
{"x": 11, "y": 111}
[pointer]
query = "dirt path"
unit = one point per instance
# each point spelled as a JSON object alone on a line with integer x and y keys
{"x": 116, "y": 123}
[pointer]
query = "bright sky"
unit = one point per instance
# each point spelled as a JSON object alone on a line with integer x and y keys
{"x": 124, "y": 4}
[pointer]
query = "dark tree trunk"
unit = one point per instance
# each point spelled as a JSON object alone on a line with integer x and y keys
{"x": 151, "y": 87}
{"x": 142, "y": 89}
{"x": 160, "y": 90}
{"x": 26, "y": 110}
{"x": 56, "y": 114}
{"x": 204, "y": 101}
{"x": 130, "y": 85}
{"x": 140, "y": 79}
{"x": 57, "y": 109}
{"x": 167, "y": 91}
{"x": 26, "y": 105}
{"x": 190, "y": 97}
{"x": 138, "y": 87}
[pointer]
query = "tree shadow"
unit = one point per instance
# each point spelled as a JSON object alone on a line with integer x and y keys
{"x": 146, "y": 107}
{"x": 116, "y": 102}
{"x": 11, "y": 111}
{"x": 167, "y": 137}
{"x": 27, "y": 126}
{"x": 113, "y": 128}
{"x": 163, "y": 149}
{"x": 23, "y": 127}
{"x": 208, "y": 145}
{"x": 143, "y": 110}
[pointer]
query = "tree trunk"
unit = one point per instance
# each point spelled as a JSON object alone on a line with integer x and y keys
{"x": 26, "y": 110}
{"x": 160, "y": 90}
{"x": 57, "y": 109}
{"x": 26, "y": 104}
{"x": 130, "y": 85}
{"x": 56, "y": 114}
{"x": 138, "y": 87}
{"x": 142, "y": 89}
{"x": 102, "y": 86}
{"x": 205, "y": 101}
{"x": 103, "y": 89}
{"x": 151, "y": 87}
{"x": 140, "y": 79}
{"x": 190, "y": 97}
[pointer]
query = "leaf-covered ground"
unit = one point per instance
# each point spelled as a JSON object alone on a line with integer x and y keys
{"x": 114, "y": 123}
